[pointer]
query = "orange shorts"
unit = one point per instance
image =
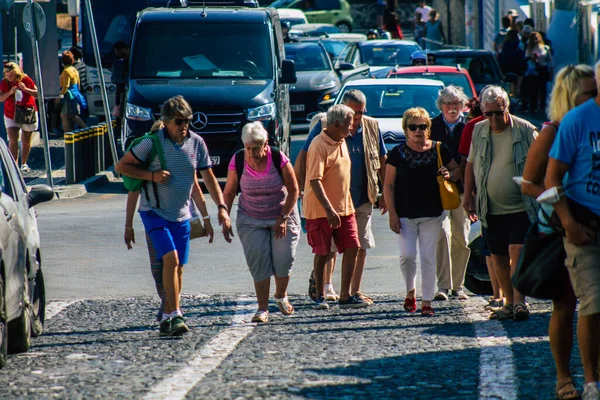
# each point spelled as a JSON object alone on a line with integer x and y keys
{"x": 319, "y": 235}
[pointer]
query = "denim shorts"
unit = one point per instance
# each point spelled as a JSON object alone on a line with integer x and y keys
{"x": 167, "y": 236}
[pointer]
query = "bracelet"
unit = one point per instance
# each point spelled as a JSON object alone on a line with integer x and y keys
{"x": 206, "y": 218}
{"x": 128, "y": 229}
{"x": 223, "y": 206}
{"x": 152, "y": 179}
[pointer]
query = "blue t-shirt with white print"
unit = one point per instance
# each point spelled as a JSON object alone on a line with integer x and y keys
{"x": 359, "y": 184}
{"x": 577, "y": 144}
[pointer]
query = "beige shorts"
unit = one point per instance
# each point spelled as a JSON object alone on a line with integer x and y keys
{"x": 583, "y": 263}
{"x": 10, "y": 123}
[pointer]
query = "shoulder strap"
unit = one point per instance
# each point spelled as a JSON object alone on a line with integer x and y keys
{"x": 239, "y": 166}
{"x": 439, "y": 156}
{"x": 276, "y": 157}
{"x": 158, "y": 149}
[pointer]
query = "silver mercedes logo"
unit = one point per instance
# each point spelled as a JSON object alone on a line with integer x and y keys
{"x": 199, "y": 121}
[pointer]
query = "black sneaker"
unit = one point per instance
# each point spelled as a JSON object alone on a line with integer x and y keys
{"x": 165, "y": 327}
{"x": 178, "y": 326}
{"x": 353, "y": 302}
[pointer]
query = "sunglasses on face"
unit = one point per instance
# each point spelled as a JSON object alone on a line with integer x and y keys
{"x": 496, "y": 113}
{"x": 591, "y": 93}
{"x": 181, "y": 121}
{"x": 414, "y": 127}
{"x": 363, "y": 112}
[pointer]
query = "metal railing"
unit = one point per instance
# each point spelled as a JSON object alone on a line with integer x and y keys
{"x": 87, "y": 152}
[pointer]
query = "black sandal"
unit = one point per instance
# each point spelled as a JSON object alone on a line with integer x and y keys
{"x": 312, "y": 286}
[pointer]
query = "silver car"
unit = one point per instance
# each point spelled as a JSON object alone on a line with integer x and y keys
{"x": 22, "y": 295}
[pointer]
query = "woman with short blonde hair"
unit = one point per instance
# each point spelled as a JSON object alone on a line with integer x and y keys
{"x": 415, "y": 211}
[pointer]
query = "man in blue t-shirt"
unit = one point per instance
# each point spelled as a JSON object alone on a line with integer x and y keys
{"x": 366, "y": 139}
{"x": 574, "y": 169}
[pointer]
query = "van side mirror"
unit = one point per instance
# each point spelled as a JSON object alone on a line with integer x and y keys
{"x": 344, "y": 66}
{"x": 288, "y": 71}
{"x": 118, "y": 69}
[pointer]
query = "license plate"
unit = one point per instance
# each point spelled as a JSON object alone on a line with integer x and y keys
{"x": 215, "y": 160}
{"x": 297, "y": 107}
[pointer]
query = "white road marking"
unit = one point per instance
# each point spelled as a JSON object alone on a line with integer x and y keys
{"x": 210, "y": 356}
{"x": 497, "y": 376}
{"x": 56, "y": 307}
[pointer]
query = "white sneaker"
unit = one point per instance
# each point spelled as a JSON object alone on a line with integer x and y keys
{"x": 25, "y": 169}
{"x": 590, "y": 391}
{"x": 331, "y": 295}
{"x": 460, "y": 295}
{"x": 441, "y": 295}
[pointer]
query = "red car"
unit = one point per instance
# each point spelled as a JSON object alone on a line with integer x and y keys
{"x": 449, "y": 75}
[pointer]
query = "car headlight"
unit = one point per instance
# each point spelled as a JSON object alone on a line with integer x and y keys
{"x": 262, "y": 113}
{"x": 138, "y": 113}
{"x": 326, "y": 85}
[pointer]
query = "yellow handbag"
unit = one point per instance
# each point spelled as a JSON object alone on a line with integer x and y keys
{"x": 449, "y": 193}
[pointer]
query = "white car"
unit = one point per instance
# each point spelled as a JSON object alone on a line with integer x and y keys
{"x": 387, "y": 99}
{"x": 292, "y": 15}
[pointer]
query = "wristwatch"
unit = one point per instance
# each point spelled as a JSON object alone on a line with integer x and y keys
{"x": 284, "y": 217}
{"x": 223, "y": 206}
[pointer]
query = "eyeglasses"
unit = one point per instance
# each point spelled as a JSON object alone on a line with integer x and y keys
{"x": 496, "y": 113}
{"x": 363, "y": 112}
{"x": 413, "y": 127}
{"x": 181, "y": 121}
{"x": 452, "y": 103}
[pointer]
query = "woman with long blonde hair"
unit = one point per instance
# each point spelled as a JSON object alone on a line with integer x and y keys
{"x": 574, "y": 85}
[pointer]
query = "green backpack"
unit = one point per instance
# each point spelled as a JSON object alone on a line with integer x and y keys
{"x": 135, "y": 184}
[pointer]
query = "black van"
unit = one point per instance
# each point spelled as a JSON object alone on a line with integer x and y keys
{"x": 228, "y": 63}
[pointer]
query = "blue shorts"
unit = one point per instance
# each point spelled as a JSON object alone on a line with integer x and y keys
{"x": 167, "y": 236}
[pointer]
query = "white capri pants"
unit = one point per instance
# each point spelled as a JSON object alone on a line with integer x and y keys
{"x": 265, "y": 255}
{"x": 425, "y": 231}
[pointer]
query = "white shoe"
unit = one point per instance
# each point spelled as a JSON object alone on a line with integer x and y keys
{"x": 331, "y": 295}
{"x": 25, "y": 169}
{"x": 590, "y": 391}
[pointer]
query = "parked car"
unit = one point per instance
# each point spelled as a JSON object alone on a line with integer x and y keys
{"x": 313, "y": 30}
{"x": 387, "y": 99}
{"x": 449, "y": 75}
{"x": 348, "y": 37}
{"x": 293, "y": 16}
{"x": 481, "y": 64}
{"x": 22, "y": 292}
{"x": 334, "y": 47}
{"x": 317, "y": 85}
{"x": 381, "y": 55}
{"x": 245, "y": 78}
{"x": 335, "y": 12}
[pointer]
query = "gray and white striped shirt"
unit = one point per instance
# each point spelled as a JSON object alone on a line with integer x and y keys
{"x": 182, "y": 162}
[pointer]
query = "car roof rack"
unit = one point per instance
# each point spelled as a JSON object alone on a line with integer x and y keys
{"x": 212, "y": 3}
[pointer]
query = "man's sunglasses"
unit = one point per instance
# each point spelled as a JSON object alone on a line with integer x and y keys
{"x": 181, "y": 121}
{"x": 497, "y": 113}
{"x": 413, "y": 127}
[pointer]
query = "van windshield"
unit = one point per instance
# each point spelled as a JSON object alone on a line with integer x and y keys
{"x": 178, "y": 50}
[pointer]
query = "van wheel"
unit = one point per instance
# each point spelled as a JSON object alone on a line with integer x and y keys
{"x": 19, "y": 330}
{"x": 3, "y": 323}
{"x": 38, "y": 308}
{"x": 344, "y": 27}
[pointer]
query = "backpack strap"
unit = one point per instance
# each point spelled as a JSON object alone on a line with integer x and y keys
{"x": 276, "y": 157}
{"x": 239, "y": 166}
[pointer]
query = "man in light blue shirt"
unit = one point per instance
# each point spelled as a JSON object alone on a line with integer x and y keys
{"x": 574, "y": 168}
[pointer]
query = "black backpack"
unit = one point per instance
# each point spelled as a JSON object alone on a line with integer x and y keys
{"x": 239, "y": 163}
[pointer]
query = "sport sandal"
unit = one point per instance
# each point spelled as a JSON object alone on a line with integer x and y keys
{"x": 565, "y": 390}
{"x": 505, "y": 312}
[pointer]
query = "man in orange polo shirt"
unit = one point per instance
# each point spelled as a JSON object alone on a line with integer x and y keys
{"x": 328, "y": 205}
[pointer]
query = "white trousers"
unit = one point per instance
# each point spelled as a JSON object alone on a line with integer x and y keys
{"x": 453, "y": 249}
{"x": 425, "y": 231}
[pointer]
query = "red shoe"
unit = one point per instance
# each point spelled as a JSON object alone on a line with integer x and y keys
{"x": 427, "y": 311}
{"x": 410, "y": 305}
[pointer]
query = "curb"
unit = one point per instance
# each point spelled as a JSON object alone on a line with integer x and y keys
{"x": 80, "y": 189}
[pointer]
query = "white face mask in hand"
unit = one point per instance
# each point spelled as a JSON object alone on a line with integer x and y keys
{"x": 551, "y": 195}
{"x": 18, "y": 95}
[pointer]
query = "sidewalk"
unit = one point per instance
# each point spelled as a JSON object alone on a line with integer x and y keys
{"x": 37, "y": 163}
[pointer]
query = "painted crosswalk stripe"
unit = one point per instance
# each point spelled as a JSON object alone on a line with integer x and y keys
{"x": 210, "y": 356}
{"x": 497, "y": 376}
{"x": 56, "y": 307}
